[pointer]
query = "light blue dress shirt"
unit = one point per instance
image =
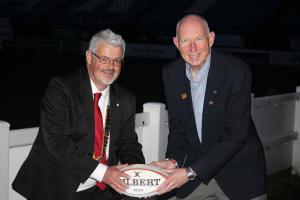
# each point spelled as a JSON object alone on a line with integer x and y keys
{"x": 198, "y": 86}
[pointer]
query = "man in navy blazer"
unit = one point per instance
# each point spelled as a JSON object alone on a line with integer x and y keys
{"x": 60, "y": 165}
{"x": 214, "y": 151}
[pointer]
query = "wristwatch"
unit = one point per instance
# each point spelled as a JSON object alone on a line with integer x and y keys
{"x": 190, "y": 173}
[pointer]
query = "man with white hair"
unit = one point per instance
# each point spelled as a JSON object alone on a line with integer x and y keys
{"x": 212, "y": 139}
{"x": 87, "y": 128}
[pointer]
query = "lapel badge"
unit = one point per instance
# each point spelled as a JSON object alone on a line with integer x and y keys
{"x": 215, "y": 92}
{"x": 183, "y": 96}
{"x": 210, "y": 103}
{"x": 117, "y": 104}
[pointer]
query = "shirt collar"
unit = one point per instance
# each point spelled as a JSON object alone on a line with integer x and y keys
{"x": 104, "y": 93}
{"x": 201, "y": 73}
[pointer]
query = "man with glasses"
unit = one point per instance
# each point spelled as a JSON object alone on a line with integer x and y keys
{"x": 86, "y": 129}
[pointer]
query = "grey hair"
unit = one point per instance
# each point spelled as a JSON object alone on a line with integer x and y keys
{"x": 201, "y": 19}
{"x": 109, "y": 37}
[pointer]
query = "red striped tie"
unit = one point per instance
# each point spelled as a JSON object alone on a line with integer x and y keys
{"x": 99, "y": 136}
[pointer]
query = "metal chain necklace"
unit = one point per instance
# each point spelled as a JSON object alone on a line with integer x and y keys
{"x": 106, "y": 133}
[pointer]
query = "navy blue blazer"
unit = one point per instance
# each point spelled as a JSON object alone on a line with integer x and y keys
{"x": 61, "y": 156}
{"x": 231, "y": 151}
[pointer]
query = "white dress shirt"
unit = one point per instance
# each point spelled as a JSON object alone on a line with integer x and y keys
{"x": 198, "y": 88}
{"x": 101, "y": 168}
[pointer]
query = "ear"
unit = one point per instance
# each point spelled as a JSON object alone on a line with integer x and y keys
{"x": 88, "y": 56}
{"x": 211, "y": 38}
{"x": 175, "y": 41}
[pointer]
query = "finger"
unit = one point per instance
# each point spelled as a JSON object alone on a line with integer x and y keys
{"x": 154, "y": 163}
{"x": 161, "y": 164}
{"x": 163, "y": 187}
{"x": 169, "y": 188}
{"x": 121, "y": 185}
{"x": 160, "y": 187}
{"x": 116, "y": 188}
{"x": 124, "y": 175}
{"x": 157, "y": 164}
{"x": 169, "y": 171}
{"x": 122, "y": 166}
{"x": 163, "y": 190}
{"x": 118, "y": 185}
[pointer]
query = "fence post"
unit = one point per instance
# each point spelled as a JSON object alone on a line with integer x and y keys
{"x": 154, "y": 135}
{"x": 4, "y": 158}
{"x": 296, "y": 145}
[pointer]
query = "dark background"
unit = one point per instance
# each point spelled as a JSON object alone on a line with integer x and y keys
{"x": 43, "y": 38}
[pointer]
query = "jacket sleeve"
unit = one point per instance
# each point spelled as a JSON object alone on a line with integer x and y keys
{"x": 58, "y": 133}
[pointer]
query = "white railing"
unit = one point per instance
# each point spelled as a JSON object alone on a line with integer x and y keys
{"x": 4, "y": 157}
{"x": 151, "y": 127}
{"x": 277, "y": 119}
{"x": 296, "y": 146}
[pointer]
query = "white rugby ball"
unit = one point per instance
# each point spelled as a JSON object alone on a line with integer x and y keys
{"x": 144, "y": 180}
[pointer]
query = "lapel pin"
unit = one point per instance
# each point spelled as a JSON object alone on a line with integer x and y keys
{"x": 183, "y": 96}
{"x": 215, "y": 92}
{"x": 210, "y": 103}
{"x": 117, "y": 105}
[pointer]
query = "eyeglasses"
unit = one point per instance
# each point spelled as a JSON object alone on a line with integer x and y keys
{"x": 106, "y": 60}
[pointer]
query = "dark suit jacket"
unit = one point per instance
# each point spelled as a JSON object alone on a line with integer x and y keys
{"x": 61, "y": 156}
{"x": 231, "y": 151}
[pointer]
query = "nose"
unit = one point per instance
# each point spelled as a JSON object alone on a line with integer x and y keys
{"x": 111, "y": 64}
{"x": 193, "y": 46}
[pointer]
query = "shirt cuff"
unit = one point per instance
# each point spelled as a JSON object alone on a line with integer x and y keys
{"x": 99, "y": 172}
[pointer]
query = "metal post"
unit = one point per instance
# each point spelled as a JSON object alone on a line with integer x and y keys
{"x": 296, "y": 145}
{"x": 4, "y": 158}
{"x": 153, "y": 139}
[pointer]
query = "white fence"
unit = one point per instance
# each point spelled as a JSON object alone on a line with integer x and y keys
{"x": 277, "y": 119}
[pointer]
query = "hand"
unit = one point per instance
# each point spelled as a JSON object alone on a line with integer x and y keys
{"x": 177, "y": 178}
{"x": 165, "y": 164}
{"x": 112, "y": 177}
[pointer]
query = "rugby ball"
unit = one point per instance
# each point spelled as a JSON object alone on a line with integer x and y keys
{"x": 144, "y": 180}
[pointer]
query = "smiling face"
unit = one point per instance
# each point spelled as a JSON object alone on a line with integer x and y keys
{"x": 194, "y": 41}
{"x": 104, "y": 74}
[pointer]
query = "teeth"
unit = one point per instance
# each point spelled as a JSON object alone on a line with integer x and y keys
{"x": 108, "y": 72}
{"x": 193, "y": 57}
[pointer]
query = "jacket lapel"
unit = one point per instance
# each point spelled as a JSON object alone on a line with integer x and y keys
{"x": 115, "y": 119}
{"x": 213, "y": 88}
{"x": 186, "y": 98}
